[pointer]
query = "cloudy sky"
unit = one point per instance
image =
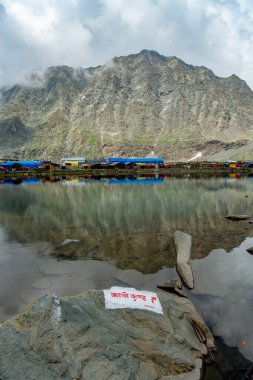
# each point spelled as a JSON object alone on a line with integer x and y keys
{"x": 35, "y": 34}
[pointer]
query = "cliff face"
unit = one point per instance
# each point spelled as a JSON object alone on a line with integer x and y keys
{"x": 133, "y": 105}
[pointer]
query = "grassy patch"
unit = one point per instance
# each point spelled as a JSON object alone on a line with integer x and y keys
{"x": 142, "y": 140}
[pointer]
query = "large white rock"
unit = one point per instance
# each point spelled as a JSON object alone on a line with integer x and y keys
{"x": 183, "y": 247}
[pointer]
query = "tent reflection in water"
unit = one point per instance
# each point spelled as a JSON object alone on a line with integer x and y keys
{"x": 136, "y": 160}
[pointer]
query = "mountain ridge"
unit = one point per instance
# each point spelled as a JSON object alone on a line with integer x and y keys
{"x": 137, "y": 105}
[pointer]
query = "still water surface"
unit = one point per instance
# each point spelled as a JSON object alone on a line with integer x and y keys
{"x": 125, "y": 228}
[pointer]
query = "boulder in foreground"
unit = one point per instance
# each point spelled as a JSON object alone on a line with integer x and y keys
{"x": 77, "y": 338}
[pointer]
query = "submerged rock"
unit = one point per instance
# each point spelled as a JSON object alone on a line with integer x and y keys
{"x": 77, "y": 338}
{"x": 69, "y": 241}
{"x": 250, "y": 250}
{"x": 183, "y": 247}
{"x": 237, "y": 217}
{"x": 74, "y": 249}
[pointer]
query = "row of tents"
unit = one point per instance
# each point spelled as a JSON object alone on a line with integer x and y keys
{"x": 116, "y": 162}
{"x": 80, "y": 162}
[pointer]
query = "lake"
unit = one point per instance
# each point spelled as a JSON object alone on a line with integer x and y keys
{"x": 125, "y": 231}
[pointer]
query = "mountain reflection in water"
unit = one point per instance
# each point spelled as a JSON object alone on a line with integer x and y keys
{"x": 129, "y": 226}
{"x": 126, "y": 238}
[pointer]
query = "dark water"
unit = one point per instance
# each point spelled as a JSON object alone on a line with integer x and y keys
{"x": 125, "y": 228}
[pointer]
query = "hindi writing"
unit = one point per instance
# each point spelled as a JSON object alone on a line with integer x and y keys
{"x": 121, "y": 298}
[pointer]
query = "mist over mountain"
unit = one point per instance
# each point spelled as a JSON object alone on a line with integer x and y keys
{"x": 135, "y": 105}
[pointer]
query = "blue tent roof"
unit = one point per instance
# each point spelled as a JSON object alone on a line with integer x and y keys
{"x": 25, "y": 164}
{"x": 128, "y": 160}
{"x": 248, "y": 163}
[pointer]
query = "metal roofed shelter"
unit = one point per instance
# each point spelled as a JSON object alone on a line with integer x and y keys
{"x": 73, "y": 161}
{"x": 98, "y": 164}
{"x": 138, "y": 160}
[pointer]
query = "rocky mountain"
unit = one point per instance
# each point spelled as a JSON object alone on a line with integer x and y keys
{"x": 136, "y": 105}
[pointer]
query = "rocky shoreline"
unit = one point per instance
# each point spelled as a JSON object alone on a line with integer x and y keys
{"x": 178, "y": 171}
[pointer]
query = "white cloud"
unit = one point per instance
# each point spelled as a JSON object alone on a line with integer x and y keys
{"x": 35, "y": 78}
{"x": 33, "y": 25}
{"x": 214, "y": 33}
